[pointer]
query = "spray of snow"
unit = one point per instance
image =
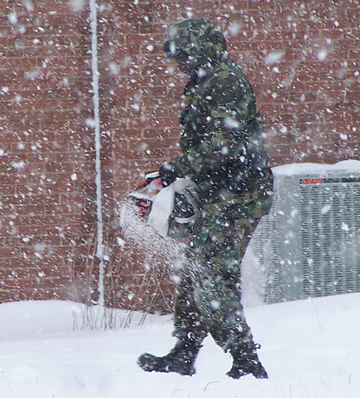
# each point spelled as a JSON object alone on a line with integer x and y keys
{"x": 146, "y": 240}
{"x": 95, "y": 85}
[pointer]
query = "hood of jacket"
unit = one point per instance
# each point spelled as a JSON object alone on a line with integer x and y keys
{"x": 197, "y": 39}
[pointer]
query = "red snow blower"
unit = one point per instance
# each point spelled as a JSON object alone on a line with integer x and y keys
{"x": 171, "y": 210}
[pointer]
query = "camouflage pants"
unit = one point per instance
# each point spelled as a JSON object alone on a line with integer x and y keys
{"x": 209, "y": 292}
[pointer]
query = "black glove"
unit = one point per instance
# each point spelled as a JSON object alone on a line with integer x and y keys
{"x": 167, "y": 173}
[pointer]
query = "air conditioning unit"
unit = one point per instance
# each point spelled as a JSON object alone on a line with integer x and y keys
{"x": 309, "y": 246}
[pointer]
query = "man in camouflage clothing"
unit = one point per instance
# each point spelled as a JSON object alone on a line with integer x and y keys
{"x": 223, "y": 153}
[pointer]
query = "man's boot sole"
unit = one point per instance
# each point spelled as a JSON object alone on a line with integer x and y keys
{"x": 151, "y": 363}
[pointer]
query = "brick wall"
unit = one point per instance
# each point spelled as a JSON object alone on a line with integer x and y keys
{"x": 302, "y": 58}
{"x": 47, "y": 178}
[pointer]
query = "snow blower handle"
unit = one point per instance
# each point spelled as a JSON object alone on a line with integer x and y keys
{"x": 149, "y": 178}
{"x": 143, "y": 195}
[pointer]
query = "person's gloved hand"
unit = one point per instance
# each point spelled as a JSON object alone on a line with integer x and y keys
{"x": 167, "y": 173}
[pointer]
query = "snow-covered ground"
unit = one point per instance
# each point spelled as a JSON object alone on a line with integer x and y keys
{"x": 310, "y": 349}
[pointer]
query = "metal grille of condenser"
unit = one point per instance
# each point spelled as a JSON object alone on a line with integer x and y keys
{"x": 330, "y": 236}
{"x": 309, "y": 245}
{"x": 263, "y": 246}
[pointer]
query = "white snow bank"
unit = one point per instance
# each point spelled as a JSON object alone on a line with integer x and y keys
{"x": 300, "y": 168}
{"x": 310, "y": 348}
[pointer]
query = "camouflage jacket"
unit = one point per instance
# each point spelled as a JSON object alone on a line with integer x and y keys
{"x": 223, "y": 137}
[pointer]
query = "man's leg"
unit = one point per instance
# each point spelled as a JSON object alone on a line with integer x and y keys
{"x": 219, "y": 289}
{"x": 228, "y": 326}
{"x": 190, "y": 330}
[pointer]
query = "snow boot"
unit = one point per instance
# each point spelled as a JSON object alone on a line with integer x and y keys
{"x": 246, "y": 361}
{"x": 179, "y": 360}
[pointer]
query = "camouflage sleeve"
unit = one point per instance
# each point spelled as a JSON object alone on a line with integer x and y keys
{"x": 229, "y": 107}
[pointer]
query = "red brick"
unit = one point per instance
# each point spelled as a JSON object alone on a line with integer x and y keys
{"x": 261, "y": 4}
